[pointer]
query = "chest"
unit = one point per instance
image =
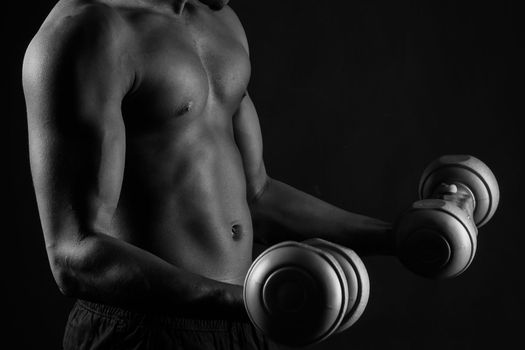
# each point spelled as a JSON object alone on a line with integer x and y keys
{"x": 185, "y": 69}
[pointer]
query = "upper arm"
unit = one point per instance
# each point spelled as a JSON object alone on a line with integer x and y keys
{"x": 248, "y": 137}
{"x": 247, "y": 130}
{"x": 74, "y": 79}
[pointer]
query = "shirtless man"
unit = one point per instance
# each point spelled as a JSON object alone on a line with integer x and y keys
{"x": 146, "y": 156}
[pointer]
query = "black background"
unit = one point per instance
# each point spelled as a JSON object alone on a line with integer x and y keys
{"x": 354, "y": 98}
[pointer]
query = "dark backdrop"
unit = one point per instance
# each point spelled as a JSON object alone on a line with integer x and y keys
{"x": 355, "y": 98}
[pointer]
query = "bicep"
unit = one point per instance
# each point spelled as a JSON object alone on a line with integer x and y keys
{"x": 76, "y": 137}
{"x": 248, "y": 137}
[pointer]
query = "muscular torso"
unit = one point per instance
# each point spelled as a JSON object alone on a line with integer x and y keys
{"x": 183, "y": 194}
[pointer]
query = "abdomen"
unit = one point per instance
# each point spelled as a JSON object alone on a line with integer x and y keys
{"x": 183, "y": 193}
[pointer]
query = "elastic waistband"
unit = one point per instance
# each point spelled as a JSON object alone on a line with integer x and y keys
{"x": 117, "y": 313}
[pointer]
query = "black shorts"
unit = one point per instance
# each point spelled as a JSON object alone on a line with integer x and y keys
{"x": 97, "y": 326}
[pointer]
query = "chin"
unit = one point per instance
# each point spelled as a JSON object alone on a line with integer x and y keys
{"x": 215, "y": 4}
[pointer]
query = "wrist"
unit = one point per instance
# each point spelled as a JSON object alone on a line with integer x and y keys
{"x": 384, "y": 239}
{"x": 370, "y": 236}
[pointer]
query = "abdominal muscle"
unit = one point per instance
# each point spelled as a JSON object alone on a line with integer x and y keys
{"x": 183, "y": 199}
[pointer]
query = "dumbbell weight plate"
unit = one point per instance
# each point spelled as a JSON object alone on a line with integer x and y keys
{"x": 295, "y": 294}
{"x": 468, "y": 171}
{"x": 356, "y": 276}
{"x": 436, "y": 239}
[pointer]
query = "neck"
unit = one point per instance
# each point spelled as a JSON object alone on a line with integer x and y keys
{"x": 176, "y": 6}
{"x": 215, "y": 4}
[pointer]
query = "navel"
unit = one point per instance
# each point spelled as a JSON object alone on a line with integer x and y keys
{"x": 236, "y": 232}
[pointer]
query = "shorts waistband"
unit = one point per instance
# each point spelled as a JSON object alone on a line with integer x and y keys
{"x": 118, "y": 313}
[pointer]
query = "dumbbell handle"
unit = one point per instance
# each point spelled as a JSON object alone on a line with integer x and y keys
{"x": 458, "y": 194}
{"x": 383, "y": 240}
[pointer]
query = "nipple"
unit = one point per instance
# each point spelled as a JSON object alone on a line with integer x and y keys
{"x": 236, "y": 232}
{"x": 184, "y": 108}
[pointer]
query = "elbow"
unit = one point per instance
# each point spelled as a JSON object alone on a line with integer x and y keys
{"x": 259, "y": 189}
{"x": 63, "y": 272}
{"x": 67, "y": 285}
{"x": 260, "y": 209}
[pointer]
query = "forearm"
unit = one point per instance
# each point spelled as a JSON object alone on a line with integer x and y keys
{"x": 104, "y": 269}
{"x": 282, "y": 212}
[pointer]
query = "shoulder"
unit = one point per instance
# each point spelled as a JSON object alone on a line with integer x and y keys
{"x": 233, "y": 21}
{"x": 75, "y": 30}
{"x": 88, "y": 20}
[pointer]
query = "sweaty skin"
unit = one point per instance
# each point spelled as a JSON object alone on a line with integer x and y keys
{"x": 146, "y": 155}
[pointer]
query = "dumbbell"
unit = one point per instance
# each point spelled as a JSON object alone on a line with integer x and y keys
{"x": 300, "y": 293}
{"x": 437, "y": 236}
